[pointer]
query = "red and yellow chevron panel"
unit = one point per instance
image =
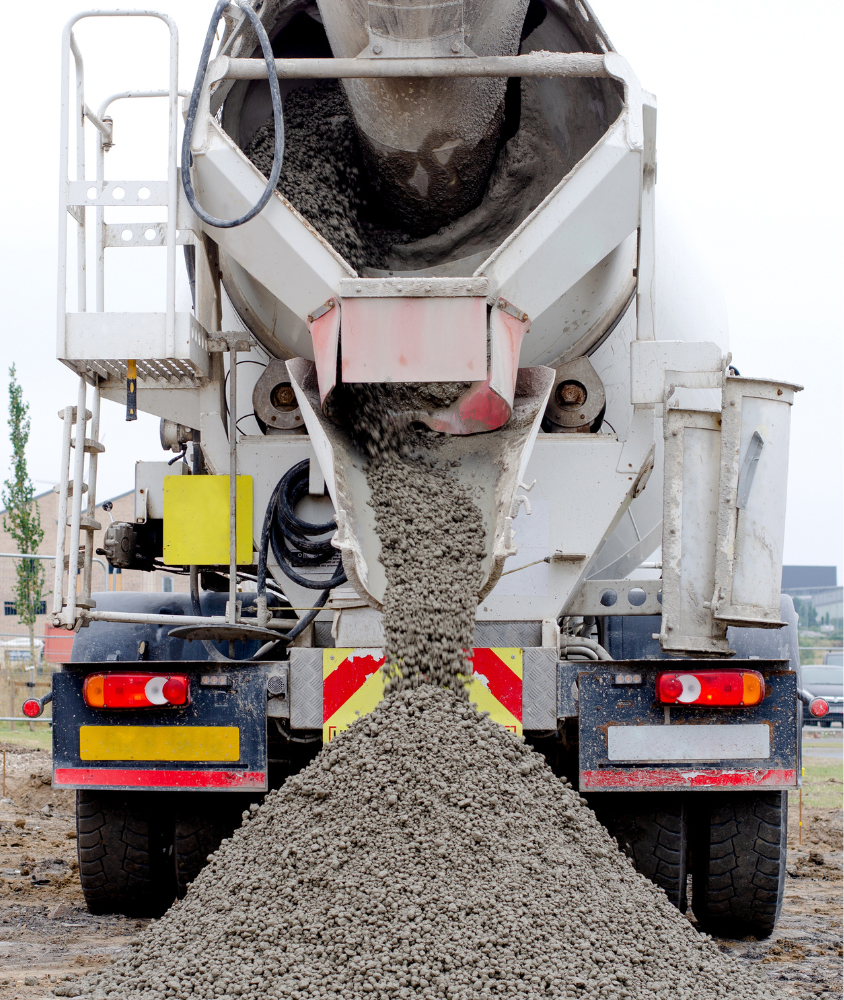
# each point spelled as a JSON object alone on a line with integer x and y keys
{"x": 496, "y": 685}
{"x": 353, "y": 684}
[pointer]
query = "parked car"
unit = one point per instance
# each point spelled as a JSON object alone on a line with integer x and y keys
{"x": 826, "y": 681}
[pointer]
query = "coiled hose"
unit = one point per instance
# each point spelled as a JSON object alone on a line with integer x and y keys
{"x": 282, "y": 526}
{"x": 278, "y": 119}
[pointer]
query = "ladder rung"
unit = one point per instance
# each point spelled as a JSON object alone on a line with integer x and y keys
{"x": 86, "y": 524}
{"x": 90, "y": 446}
{"x": 80, "y": 561}
{"x": 73, "y": 415}
{"x": 57, "y": 488}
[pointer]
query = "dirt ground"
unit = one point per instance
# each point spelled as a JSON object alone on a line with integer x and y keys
{"x": 48, "y": 939}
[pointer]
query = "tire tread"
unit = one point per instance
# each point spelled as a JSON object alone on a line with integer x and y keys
{"x": 739, "y": 860}
{"x": 124, "y": 846}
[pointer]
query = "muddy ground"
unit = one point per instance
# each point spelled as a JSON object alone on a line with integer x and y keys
{"x": 48, "y": 939}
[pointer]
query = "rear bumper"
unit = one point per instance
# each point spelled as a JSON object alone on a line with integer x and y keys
{"x": 217, "y": 742}
{"x": 626, "y": 740}
{"x": 630, "y": 742}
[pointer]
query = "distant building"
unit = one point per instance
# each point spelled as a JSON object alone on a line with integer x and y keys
{"x": 796, "y": 577}
{"x": 104, "y": 578}
{"x": 817, "y": 597}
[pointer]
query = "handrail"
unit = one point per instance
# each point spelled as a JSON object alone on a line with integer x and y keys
{"x": 574, "y": 64}
{"x": 69, "y": 46}
{"x": 609, "y": 65}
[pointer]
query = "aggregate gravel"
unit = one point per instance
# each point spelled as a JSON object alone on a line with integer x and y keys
{"x": 425, "y": 852}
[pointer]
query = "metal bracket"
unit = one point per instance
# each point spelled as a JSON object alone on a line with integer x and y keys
{"x": 617, "y": 597}
{"x": 222, "y": 342}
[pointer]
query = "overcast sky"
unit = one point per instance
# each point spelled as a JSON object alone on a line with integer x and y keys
{"x": 749, "y": 154}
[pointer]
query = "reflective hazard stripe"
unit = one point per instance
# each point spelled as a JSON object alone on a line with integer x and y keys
{"x": 671, "y": 779}
{"x": 353, "y": 684}
{"x": 113, "y": 777}
{"x": 496, "y": 685}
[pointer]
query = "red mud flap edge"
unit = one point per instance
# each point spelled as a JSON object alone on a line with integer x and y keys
{"x": 125, "y": 778}
{"x": 673, "y": 779}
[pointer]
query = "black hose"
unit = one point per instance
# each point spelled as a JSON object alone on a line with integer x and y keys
{"x": 285, "y": 637}
{"x": 278, "y": 120}
{"x": 281, "y": 525}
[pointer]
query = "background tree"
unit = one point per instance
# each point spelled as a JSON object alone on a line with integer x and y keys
{"x": 22, "y": 519}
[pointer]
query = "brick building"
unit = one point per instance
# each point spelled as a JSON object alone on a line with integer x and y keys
{"x": 103, "y": 577}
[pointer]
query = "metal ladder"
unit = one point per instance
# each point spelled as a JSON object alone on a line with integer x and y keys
{"x": 72, "y": 487}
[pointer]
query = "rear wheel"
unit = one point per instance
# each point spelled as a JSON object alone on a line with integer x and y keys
{"x": 125, "y": 848}
{"x": 650, "y": 828}
{"x": 739, "y": 858}
{"x": 202, "y": 822}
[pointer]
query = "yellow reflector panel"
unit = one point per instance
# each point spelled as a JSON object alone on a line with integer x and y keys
{"x": 198, "y": 743}
{"x": 196, "y": 520}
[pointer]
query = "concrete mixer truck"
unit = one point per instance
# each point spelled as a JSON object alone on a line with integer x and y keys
{"x": 455, "y": 202}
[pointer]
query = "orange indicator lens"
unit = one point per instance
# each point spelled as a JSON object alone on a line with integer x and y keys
{"x": 719, "y": 688}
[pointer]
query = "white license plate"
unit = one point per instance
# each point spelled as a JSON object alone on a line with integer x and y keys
{"x": 684, "y": 742}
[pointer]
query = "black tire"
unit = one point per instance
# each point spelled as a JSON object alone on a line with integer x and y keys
{"x": 650, "y": 828}
{"x": 739, "y": 861}
{"x": 202, "y": 821}
{"x": 125, "y": 848}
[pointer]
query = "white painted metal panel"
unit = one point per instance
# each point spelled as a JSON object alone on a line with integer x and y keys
{"x": 754, "y": 469}
{"x": 95, "y": 336}
{"x": 690, "y": 529}
{"x": 689, "y": 742}
{"x": 651, "y": 359}
{"x": 278, "y": 247}
{"x": 757, "y": 570}
{"x": 593, "y": 209}
{"x": 580, "y": 317}
{"x": 576, "y": 502}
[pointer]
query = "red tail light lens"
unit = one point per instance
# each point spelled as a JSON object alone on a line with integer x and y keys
{"x": 711, "y": 687}
{"x": 818, "y": 708}
{"x": 32, "y": 708}
{"x": 135, "y": 690}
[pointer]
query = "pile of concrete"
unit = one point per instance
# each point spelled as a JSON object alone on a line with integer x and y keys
{"x": 424, "y": 852}
{"x": 323, "y": 176}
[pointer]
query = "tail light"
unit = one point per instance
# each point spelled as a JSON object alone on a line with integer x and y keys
{"x": 818, "y": 707}
{"x": 711, "y": 687}
{"x": 32, "y": 708}
{"x": 135, "y": 690}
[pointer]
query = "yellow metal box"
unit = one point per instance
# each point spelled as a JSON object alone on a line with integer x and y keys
{"x": 196, "y": 520}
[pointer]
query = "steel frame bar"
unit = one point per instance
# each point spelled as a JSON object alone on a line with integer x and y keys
{"x": 577, "y": 64}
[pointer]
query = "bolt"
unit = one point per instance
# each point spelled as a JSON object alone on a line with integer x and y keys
{"x": 455, "y": 47}
{"x": 283, "y": 397}
{"x": 376, "y": 49}
{"x": 571, "y": 395}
